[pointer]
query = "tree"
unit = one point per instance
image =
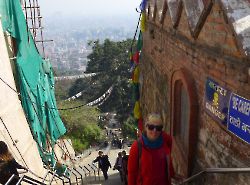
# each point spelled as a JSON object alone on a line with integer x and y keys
{"x": 110, "y": 61}
{"x": 129, "y": 128}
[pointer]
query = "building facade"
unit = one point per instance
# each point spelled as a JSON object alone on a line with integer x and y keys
{"x": 195, "y": 71}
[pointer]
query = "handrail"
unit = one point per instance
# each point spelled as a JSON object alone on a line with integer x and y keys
{"x": 31, "y": 180}
{"x": 215, "y": 170}
{"x": 27, "y": 179}
{"x": 10, "y": 179}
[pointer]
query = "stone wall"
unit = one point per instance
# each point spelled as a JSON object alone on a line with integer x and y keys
{"x": 210, "y": 49}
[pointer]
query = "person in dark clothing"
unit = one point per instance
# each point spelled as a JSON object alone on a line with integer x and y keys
{"x": 8, "y": 165}
{"x": 103, "y": 163}
{"x": 125, "y": 167}
{"x": 118, "y": 165}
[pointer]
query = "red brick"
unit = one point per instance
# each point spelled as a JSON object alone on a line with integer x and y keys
{"x": 202, "y": 60}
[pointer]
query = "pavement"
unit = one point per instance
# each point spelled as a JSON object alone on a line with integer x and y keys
{"x": 114, "y": 178}
{"x": 94, "y": 178}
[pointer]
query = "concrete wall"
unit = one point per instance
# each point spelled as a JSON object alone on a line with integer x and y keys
{"x": 206, "y": 47}
{"x": 14, "y": 129}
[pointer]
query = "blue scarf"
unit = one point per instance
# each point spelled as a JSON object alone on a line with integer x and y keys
{"x": 152, "y": 144}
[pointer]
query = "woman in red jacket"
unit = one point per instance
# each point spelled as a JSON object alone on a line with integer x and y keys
{"x": 149, "y": 159}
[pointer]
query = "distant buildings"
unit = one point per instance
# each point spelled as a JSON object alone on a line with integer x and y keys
{"x": 69, "y": 49}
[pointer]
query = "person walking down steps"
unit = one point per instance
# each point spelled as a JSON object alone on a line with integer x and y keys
{"x": 103, "y": 163}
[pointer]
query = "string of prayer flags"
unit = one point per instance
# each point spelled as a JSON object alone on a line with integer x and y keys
{"x": 137, "y": 112}
{"x": 140, "y": 124}
{"x": 134, "y": 60}
{"x": 136, "y": 75}
{"x": 143, "y": 21}
{"x": 143, "y": 5}
{"x": 139, "y": 42}
{"x": 131, "y": 59}
{"x": 136, "y": 57}
{"x": 136, "y": 92}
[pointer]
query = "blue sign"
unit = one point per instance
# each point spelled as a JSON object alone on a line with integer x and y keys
{"x": 238, "y": 121}
{"x": 216, "y": 101}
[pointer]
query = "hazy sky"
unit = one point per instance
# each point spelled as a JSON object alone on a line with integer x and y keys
{"x": 89, "y": 7}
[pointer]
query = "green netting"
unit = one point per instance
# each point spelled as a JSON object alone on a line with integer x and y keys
{"x": 36, "y": 82}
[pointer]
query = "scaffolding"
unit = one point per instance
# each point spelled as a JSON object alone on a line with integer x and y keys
{"x": 33, "y": 18}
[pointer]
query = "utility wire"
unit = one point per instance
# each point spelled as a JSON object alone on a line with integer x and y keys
{"x": 45, "y": 106}
{"x": 18, "y": 149}
{"x": 10, "y": 86}
{"x": 42, "y": 127}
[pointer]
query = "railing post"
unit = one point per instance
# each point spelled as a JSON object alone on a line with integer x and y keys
{"x": 87, "y": 170}
{"x": 79, "y": 174}
{"x": 75, "y": 176}
{"x": 98, "y": 171}
{"x": 85, "y": 174}
{"x": 93, "y": 170}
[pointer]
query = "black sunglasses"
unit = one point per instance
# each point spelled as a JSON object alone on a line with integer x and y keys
{"x": 156, "y": 127}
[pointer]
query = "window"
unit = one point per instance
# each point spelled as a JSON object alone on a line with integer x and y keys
{"x": 184, "y": 120}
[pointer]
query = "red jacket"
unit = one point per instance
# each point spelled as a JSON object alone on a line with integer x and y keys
{"x": 153, "y": 164}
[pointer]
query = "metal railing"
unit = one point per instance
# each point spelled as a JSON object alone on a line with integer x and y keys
{"x": 53, "y": 173}
{"x": 214, "y": 170}
{"x": 23, "y": 178}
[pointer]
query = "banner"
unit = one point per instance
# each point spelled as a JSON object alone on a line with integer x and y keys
{"x": 238, "y": 121}
{"x": 216, "y": 101}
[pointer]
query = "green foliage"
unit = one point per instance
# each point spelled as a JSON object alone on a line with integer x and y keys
{"x": 110, "y": 61}
{"x": 129, "y": 128}
{"x": 61, "y": 88}
{"x": 81, "y": 124}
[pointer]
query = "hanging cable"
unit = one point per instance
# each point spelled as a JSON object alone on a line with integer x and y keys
{"x": 18, "y": 149}
{"x": 29, "y": 98}
{"x": 68, "y": 108}
{"x": 43, "y": 153}
{"x": 62, "y": 140}
{"x": 39, "y": 120}
{"x": 10, "y": 86}
{"x": 13, "y": 141}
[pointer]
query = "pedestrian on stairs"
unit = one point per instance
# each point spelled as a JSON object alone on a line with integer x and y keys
{"x": 125, "y": 167}
{"x": 149, "y": 159}
{"x": 8, "y": 165}
{"x": 103, "y": 163}
{"x": 118, "y": 165}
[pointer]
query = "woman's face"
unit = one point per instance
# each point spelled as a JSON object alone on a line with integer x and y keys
{"x": 153, "y": 129}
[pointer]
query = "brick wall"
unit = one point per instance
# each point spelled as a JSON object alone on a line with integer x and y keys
{"x": 214, "y": 53}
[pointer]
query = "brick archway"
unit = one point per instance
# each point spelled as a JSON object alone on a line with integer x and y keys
{"x": 184, "y": 111}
